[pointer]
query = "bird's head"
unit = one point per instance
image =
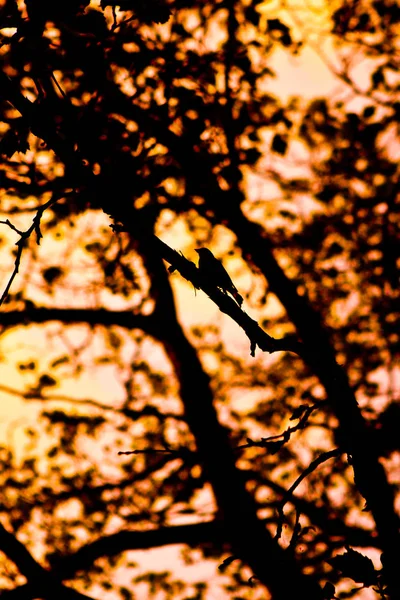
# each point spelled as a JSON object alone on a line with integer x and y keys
{"x": 203, "y": 252}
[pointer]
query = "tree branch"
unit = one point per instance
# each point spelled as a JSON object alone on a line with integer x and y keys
{"x": 42, "y": 582}
{"x": 311, "y": 467}
{"x": 24, "y": 236}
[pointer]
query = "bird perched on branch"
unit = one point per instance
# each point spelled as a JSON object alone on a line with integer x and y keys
{"x": 214, "y": 271}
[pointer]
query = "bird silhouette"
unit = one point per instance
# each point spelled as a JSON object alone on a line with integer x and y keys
{"x": 214, "y": 271}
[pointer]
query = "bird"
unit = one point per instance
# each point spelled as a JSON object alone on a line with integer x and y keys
{"x": 214, "y": 271}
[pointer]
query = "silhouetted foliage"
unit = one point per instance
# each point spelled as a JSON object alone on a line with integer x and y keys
{"x": 132, "y": 133}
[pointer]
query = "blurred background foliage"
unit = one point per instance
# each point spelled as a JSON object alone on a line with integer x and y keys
{"x": 179, "y": 104}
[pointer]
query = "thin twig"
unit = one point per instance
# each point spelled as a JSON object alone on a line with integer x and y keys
{"x": 181, "y": 452}
{"x": 311, "y": 467}
{"x": 274, "y": 442}
{"x": 24, "y": 236}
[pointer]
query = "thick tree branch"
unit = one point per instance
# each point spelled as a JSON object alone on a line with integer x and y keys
{"x": 152, "y": 323}
{"x": 112, "y": 545}
{"x": 42, "y": 582}
{"x": 100, "y": 316}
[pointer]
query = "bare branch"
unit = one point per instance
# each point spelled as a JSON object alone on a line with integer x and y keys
{"x": 24, "y": 236}
{"x": 311, "y": 467}
{"x": 274, "y": 443}
{"x": 43, "y": 583}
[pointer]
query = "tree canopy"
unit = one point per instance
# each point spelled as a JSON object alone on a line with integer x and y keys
{"x": 159, "y": 439}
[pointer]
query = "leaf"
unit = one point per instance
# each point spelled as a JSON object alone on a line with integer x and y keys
{"x": 15, "y": 139}
{"x": 355, "y": 565}
{"x": 252, "y": 155}
{"x": 377, "y": 77}
{"x": 332, "y": 272}
{"x": 29, "y": 366}
{"x": 252, "y": 15}
{"x": 275, "y": 25}
{"x": 368, "y": 112}
{"x": 59, "y": 361}
{"x": 114, "y": 340}
{"x": 47, "y": 381}
{"x": 51, "y": 274}
{"x": 334, "y": 249}
{"x": 13, "y": 142}
{"x": 279, "y": 144}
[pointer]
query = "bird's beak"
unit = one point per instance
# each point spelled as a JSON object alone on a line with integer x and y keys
{"x": 197, "y": 250}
